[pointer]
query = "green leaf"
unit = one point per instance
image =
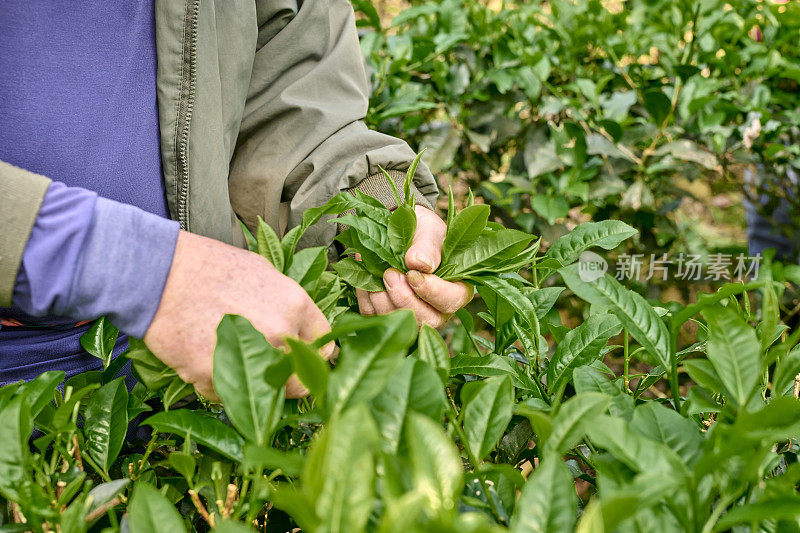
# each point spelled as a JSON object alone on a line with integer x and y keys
{"x": 40, "y": 391}
{"x": 607, "y": 234}
{"x": 588, "y": 379}
{"x": 543, "y": 299}
{"x": 786, "y": 371}
{"x": 451, "y": 207}
{"x": 402, "y": 227}
{"x": 702, "y": 372}
{"x": 354, "y": 274}
{"x": 487, "y": 414}
{"x": 464, "y": 230}
{"x": 106, "y": 422}
{"x": 513, "y": 296}
{"x": 734, "y": 350}
{"x": 784, "y": 507}
{"x": 436, "y": 467}
{"x": 570, "y": 420}
{"x": 407, "y": 187}
{"x": 182, "y": 463}
{"x": 249, "y": 377}
{"x": 579, "y": 347}
{"x": 393, "y": 186}
{"x": 15, "y": 426}
{"x": 489, "y": 249}
{"x": 658, "y": 106}
{"x": 636, "y": 315}
{"x": 269, "y": 245}
{"x": 203, "y": 428}
{"x": 638, "y": 452}
{"x": 368, "y": 360}
{"x": 99, "y": 340}
{"x": 340, "y": 470}
{"x": 433, "y": 350}
{"x": 150, "y": 512}
{"x": 150, "y": 370}
{"x": 311, "y": 369}
{"x": 307, "y": 266}
{"x": 490, "y": 365}
{"x": 256, "y": 458}
{"x": 105, "y": 492}
{"x": 414, "y": 387}
{"x": 373, "y": 237}
{"x": 548, "y": 503}
{"x": 665, "y": 425}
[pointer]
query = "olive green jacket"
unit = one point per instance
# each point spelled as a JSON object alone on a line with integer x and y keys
{"x": 260, "y": 109}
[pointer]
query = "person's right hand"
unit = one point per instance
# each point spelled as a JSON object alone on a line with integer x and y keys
{"x": 209, "y": 279}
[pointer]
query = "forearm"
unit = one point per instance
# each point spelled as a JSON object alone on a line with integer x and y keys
{"x": 88, "y": 257}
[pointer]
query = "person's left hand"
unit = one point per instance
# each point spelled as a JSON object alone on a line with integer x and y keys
{"x": 432, "y": 299}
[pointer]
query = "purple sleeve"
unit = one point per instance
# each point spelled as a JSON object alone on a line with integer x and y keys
{"x": 88, "y": 257}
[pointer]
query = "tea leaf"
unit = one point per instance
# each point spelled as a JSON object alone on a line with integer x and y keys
{"x": 106, "y": 422}
{"x": 636, "y": 315}
{"x": 373, "y": 237}
{"x": 99, "y": 340}
{"x": 464, "y": 230}
{"x": 733, "y": 349}
{"x": 402, "y": 227}
{"x": 412, "y": 169}
{"x": 607, "y": 234}
{"x": 307, "y": 267}
{"x": 353, "y": 273}
{"x": 269, "y": 245}
{"x": 548, "y": 503}
{"x": 249, "y": 376}
{"x": 665, "y": 425}
{"x": 204, "y": 429}
{"x": 311, "y": 369}
{"x": 435, "y": 464}
{"x": 487, "y": 414}
{"x": 369, "y": 360}
{"x": 433, "y": 350}
{"x": 569, "y": 422}
{"x": 415, "y": 387}
{"x": 580, "y": 347}
{"x": 150, "y": 512}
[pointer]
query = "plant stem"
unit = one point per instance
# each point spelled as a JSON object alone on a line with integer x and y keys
{"x": 626, "y": 361}
{"x": 96, "y": 468}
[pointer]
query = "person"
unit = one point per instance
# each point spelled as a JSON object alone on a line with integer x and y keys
{"x": 133, "y": 138}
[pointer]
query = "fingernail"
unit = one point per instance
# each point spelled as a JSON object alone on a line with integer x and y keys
{"x": 389, "y": 277}
{"x": 425, "y": 261}
{"x": 415, "y": 279}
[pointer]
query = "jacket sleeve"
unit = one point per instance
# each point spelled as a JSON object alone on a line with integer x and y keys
{"x": 302, "y": 138}
{"x": 21, "y": 195}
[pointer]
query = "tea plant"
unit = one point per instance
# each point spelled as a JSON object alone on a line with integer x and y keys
{"x": 401, "y": 436}
{"x": 566, "y": 110}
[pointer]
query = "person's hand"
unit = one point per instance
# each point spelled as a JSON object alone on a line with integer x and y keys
{"x": 209, "y": 279}
{"x": 432, "y": 299}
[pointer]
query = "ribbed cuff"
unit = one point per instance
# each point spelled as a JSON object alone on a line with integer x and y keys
{"x": 123, "y": 267}
{"x": 378, "y": 187}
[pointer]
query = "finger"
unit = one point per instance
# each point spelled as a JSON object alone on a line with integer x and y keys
{"x": 425, "y": 253}
{"x": 364, "y": 305}
{"x": 381, "y": 302}
{"x": 313, "y": 324}
{"x": 445, "y": 296}
{"x": 403, "y": 297}
{"x": 294, "y": 388}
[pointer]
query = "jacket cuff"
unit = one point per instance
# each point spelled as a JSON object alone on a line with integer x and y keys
{"x": 21, "y": 195}
{"x": 378, "y": 187}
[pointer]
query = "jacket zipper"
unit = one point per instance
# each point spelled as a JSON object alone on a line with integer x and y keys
{"x": 188, "y": 79}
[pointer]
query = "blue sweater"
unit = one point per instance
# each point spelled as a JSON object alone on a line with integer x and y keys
{"x": 78, "y": 104}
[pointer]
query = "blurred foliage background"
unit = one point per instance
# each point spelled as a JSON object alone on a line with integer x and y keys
{"x": 561, "y": 111}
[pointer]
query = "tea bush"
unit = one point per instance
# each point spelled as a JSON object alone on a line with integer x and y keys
{"x": 512, "y": 432}
{"x": 561, "y": 111}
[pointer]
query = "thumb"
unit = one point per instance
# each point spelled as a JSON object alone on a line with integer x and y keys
{"x": 425, "y": 253}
